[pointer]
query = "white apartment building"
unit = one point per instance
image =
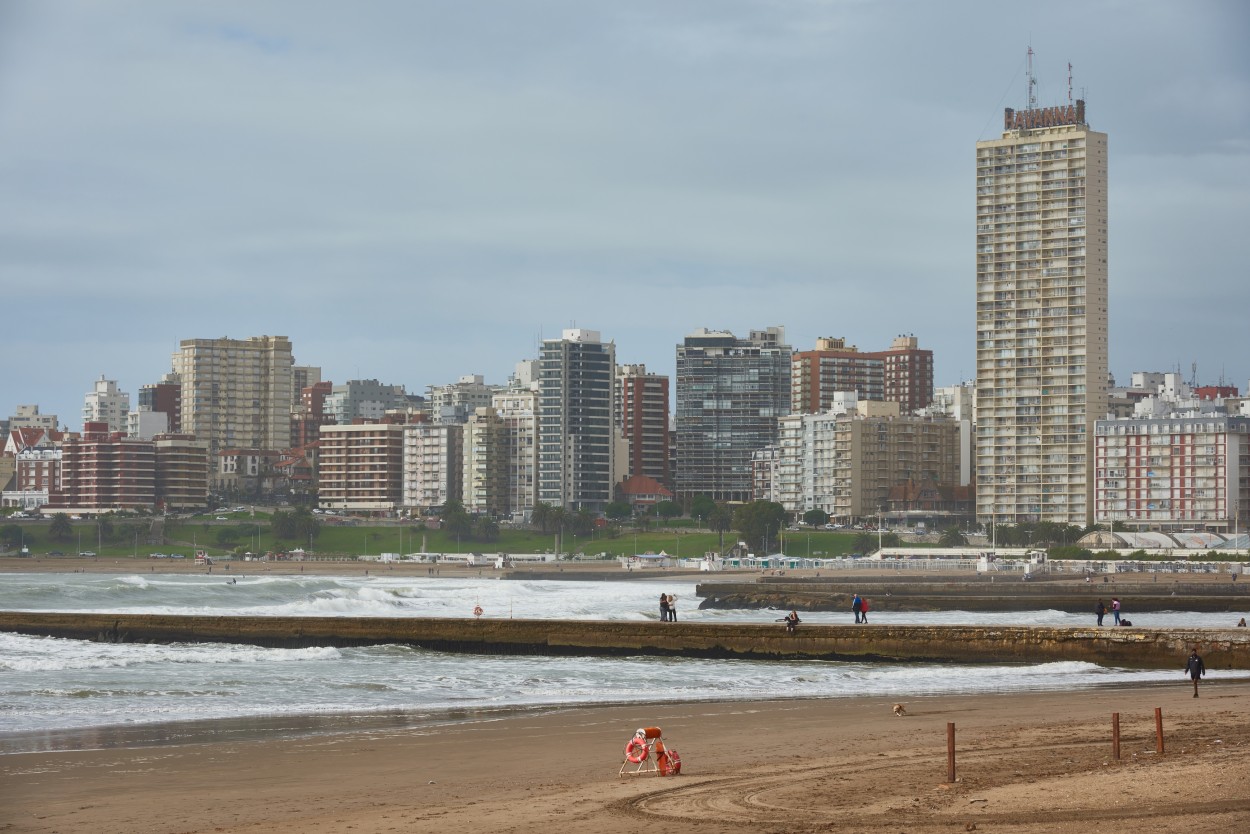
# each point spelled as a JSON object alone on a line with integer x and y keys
{"x": 454, "y": 403}
{"x": 106, "y": 403}
{"x": 433, "y": 464}
{"x": 1041, "y": 307}
{"x": 236, "y": 393}
{"x": 1184, "y": 471}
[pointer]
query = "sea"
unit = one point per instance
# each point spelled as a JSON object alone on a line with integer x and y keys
{"x": 60, "y": 694}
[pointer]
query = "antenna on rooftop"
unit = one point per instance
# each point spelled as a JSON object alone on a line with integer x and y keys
{"x": 1069, "y": 82}
{"x": 1032, "y": 82}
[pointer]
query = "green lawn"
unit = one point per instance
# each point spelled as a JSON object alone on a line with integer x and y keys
{"x": 355, "y": 540}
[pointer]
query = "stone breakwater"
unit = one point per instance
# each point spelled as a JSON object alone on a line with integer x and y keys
{"x": 1125, "y": 647}
{"x": 1006, "y": 594}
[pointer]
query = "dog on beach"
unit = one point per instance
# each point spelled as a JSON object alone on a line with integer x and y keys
{"x": 900, "y": 710}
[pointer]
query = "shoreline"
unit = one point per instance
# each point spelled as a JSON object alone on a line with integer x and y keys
{"x": 1027, "y": 763}
{"x": 280, "y": 727}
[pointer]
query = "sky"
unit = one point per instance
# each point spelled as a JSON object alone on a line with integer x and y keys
{"x": 415, "y": 191}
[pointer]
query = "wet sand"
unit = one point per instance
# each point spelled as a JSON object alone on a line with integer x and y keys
{"x": 1025, "y": 764}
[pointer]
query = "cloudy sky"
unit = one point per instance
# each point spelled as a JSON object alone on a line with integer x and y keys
{"x": 413, "y": 191}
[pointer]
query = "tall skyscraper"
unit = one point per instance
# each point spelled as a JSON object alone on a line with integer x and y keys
{"x": 1041, "y": 314}
{"x": 730, "y": 392}
{"x": 576, "y": 422}
{"x": 236, "y": 393}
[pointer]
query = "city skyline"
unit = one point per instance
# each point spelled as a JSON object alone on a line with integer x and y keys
{"x": 413, "y": 195}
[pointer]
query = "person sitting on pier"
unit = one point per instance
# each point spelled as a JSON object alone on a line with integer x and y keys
{"x": 792, "y": 621}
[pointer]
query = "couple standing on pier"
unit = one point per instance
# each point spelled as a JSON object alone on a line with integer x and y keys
{"x": 859, "y": 606}
{"x": 668, "y": 608}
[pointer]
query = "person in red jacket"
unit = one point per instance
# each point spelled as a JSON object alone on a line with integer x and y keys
{"x": 863, "y": 610}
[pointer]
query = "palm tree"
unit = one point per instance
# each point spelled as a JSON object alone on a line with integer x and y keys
{"x": 952, "y": 537}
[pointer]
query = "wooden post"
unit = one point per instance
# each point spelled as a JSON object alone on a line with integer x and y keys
{"x": 950, "y": 751}
{"x": 1159, "y": 729}
{"x": 1115, "y": 735}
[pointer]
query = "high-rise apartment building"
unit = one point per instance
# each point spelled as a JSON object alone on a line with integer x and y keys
{"x": 236, "y": 393}
{"x": 642, "y": 414}
{"x": 1041, "y": 304}
{"x": 516, "y": 408}
{"x": 433, "y": 464}
{"x": 902, "y": 374}
{"x": 576, "y": 421}
{"x": 730, "y": 392}
{"x": 361, "y": 467}
{"x": 486, "y": 458}
{"x": 106, "y": 403}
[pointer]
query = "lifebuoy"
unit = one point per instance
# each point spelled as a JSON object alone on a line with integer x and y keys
{"x": 636, "y": 750}
{"x": 477, "y": 611}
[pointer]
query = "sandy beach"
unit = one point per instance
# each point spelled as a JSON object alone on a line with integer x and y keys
{"x": 1024, "y": 764}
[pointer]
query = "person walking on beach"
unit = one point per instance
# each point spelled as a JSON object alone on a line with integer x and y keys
{"x": 1115, "y": 609}
{"x": 672, "y": 608}
{"x": 664, "y": 608}
{"x": 857, "y": 605}
{"x": 1100, "y": 611}
{"x": 1196, "y": 668}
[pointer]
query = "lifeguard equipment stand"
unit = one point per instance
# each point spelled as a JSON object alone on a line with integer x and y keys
{"x": 647, "y": 753}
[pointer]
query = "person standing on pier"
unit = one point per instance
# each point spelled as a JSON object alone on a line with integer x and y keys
{"x": 863, "y": 610}
{"x": 857, "y": 605}
{"x": 1100, "y": 611}
{"x": 664, "y": 608}
{"x": 1195, "y": 668}
{"x": 672, "y": 608}
{"x": 1115, "y": 609}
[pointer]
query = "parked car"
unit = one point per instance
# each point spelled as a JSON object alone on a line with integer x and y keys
{"x": 86, "y": 553}
{"x": 55, "y": 553}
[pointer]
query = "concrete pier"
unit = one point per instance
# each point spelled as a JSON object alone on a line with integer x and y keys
{"x": 1125, "y": 647}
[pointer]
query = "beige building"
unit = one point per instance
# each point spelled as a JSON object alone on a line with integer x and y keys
{"x": 874, "y": 454}
{"x": 516, "y": 408}
{"x": 361, "y": 467}
{"x": 485, "y": 477}
{"x": 236, "y": 392}
{"x": 1041, "y": 315}
{"x": 181, "y": 471}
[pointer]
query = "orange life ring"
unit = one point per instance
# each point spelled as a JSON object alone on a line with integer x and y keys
{"x": 636, "y": 751}
{"x": 477, "y": 611}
